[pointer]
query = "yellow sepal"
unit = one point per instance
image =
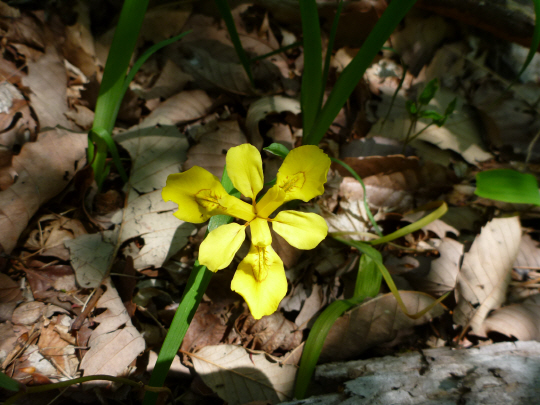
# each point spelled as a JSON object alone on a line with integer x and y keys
{"x": 200, "y": 195}
{"x": 260, "y": 279}
{"x": 260, "y": 232}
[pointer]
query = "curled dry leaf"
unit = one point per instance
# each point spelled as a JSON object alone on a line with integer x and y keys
{"x": 377, "y": 321}
{"x": 10, "y": 294}
{"x": 115, "y": 343}
{"x": 58, "y": 351}
{"x": 485, "y": 273}
{"x": 519, "y": 320}
{"x": 28, "y": 313}
{"x": 239, "y": 377}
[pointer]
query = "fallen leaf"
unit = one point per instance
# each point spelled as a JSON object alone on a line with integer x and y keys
{"x": 28, "y": 313}
{"x": 485, "y": 273}
{"x": 312, "y": 305}
{"x": 375, "y": 322}
{"x": 90, "y": 257}
{"x": 115, "y": 343}
{"x": 269, "y": 333}
{"x": 239, "y": 377}
{"x": 258, "y": 110}
{"x": 521, "y": 321}
{"x": 443, "y": 271}
{"x": 529, "y": 253}
{"x": 210, "y": 152}
{"x": 10, "y": 294}
{"x": 55, "y": 349}
{"x": 206, "y": 329}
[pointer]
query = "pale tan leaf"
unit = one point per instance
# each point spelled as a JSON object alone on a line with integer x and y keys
{"x": 239, "y": 377}
{"x": 377, "y": 321}
{"x": 165, "y": 21}
{"x": 528, "y": 254}
{"x": 180, "y": 108}
{"x": 519, "y": 320}
{"x": 444, "y": 270}
{"x": 213, "y": 146}
{"x": 151, "y": 218}
{"x": 459, "y": 133}
{"x": 485, "y": 272}
{"x": 90, "y": 257}
{"x": 115, "y": 343}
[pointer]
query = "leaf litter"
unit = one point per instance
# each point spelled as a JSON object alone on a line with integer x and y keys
{"x": 62, "y": 241}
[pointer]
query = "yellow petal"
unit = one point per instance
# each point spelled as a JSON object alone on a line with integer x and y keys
{"x": 244, "y": 167}
{"x": 200, "y": 195}
{"x": 270, "y": 202}
{"x": 303, "y": 230}
{"x": 260, "y": 232}
{"x": 260, "y": 279}
{"x": 218, "y": 249}
{"x": 303, "y": 173}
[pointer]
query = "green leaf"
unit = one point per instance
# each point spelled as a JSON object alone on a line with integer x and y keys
{"x": 355, "y": 70}
{"x": 312, "y": 88}
{"x": 368, "y": 281}
{"x": 450, "y": 108}
{"x": 9, "y": 383}
{"x": 278, "y": 150}
{"x": 431, "y": 114}
{"x": 411, "y": 107}
{"x": 225, "y": 12}
{"x": 535, "y": 41}
{"x": 508, "y": 186}
{"x": 429, "y": 92}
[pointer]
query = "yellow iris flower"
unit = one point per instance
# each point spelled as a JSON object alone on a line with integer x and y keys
{"x": 260, "y": 277}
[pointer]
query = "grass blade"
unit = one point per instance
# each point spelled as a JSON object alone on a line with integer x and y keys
{"x": 329, "y": 49}
{"x": 535, "y": 42}
{"x": 312, "y": 86}
{"x": 508, "y": 186}
{"x": 354, "y": 71}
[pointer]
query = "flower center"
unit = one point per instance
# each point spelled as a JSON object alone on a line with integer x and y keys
{"x": 293, "y": 183}
{"x": 261, "y": 266}
{"x": 208, "y": 199}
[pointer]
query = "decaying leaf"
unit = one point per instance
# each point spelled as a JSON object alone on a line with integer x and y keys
{"x": 485, "y": 272}
{"x": 519, "y": 320}
{"x": 239, "y": 377}
{"x": 10, "y": 294}
{"x": 529, "y": 253}
{"x": 269, "y": 333}
{"x": 115, "y": 343}
{"x": 57, "y": 350}
{"x": 374, "y": 322}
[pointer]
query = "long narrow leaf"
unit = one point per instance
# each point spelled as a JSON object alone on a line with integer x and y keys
{"x": 330, "y": 47}
{"x": 196, "y": 286}
{"x": 354, "y": 71}
{"x": 312, "y": 87}
{"x": 225, "y": 12}
{"x": 535, "y": 42}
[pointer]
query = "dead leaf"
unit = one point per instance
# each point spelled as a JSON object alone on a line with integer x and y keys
{"x": 519, "y": 320}
{"x": 312, "y": 305}
{"x": 28, "y": 313}
{"x": 443, "y": 271}
{"x": 55, "y": 349}
{"x": 115, "y": 343}
{"x": 459, "y": 133}
{"x": 258, "y": 110}
{"x": 164, "y": 21}
{"x": 270, "y": 333}
{"x": 377, "y": 321}
{"x": 90, "y": 257}
{"x": 211, "y": 150}
{"x": 485, "y": 272}
{"x": 206, "y": 329}
{"x": 10, "y": 294}
{"x": 528, "y": 254}
{"x": 239, "y": 377}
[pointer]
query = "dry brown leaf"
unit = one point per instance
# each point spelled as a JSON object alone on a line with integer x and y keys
{"x": 55, "y": 349}
{"x": 28, "y": 313}
{"x": 164, "y": 21}
{"x": 206, "y": 329}
{"x": 270, "y": 333}
{"x": 528, "y": 254}
{"x": 312, "y": 305}
{"x": 10, "y": 294}
{"x": 180, "y": 108}
{"x": 213, "y": 146}
{"x": 43, "y": 167}
{"x": 519, "y": 320}
{"x": 443, "y": 272}
{"x": 485, "y": 273}
{"x": 239, "y": 377}
{"x": 115, "y": 343}
{"x": 377, "y": 321}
